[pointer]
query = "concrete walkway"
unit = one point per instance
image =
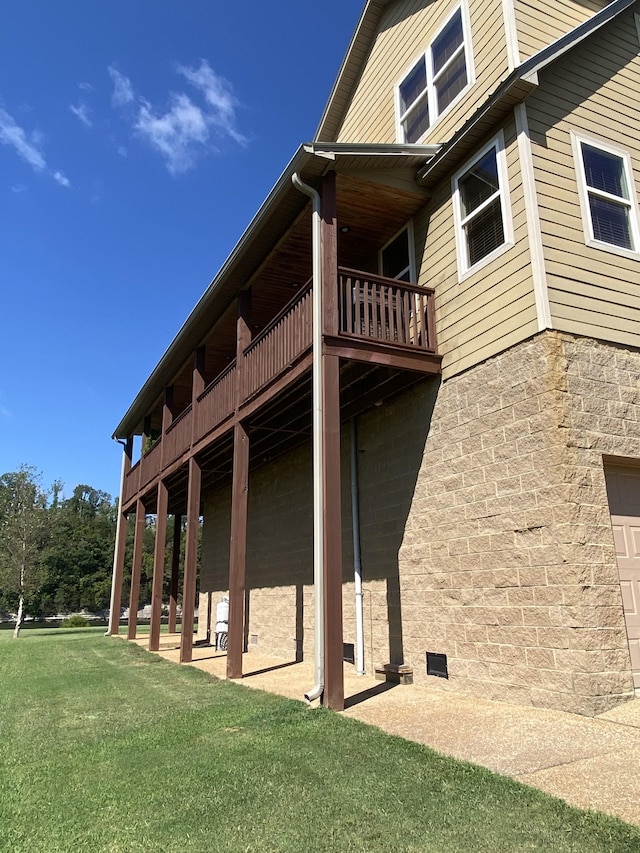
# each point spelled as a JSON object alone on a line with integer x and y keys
{"x": 591, "y": 762}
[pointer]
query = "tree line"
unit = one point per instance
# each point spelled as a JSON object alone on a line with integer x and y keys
{"x": 56, "y": 553}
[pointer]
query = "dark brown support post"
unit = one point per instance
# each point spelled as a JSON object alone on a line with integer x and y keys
{"x": 120, "y": 546}
{"x": 136, "y": 569}
{"x": 158, "y": 566}
{"x": 329, "y": 243}
{"x": 175, "y": 566}
{"x": 167, "y": 419}
{"x": 190, "y": 561}
{"x": 198, "y": 385}
{"x": 146, "y": 433}
{"x": 243, "y": 339}
{"x": 332, "y": 534}
{"x": 239, "y": 502}
{"x": 167, "y": 408}
{"x": 332, "y": 516}
{"x": 238, "y": 550}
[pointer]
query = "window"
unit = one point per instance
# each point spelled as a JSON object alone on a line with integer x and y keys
{"x": 607, "y": 198}
{"x": 481, "y": 208}
{"x": 396, "y": 258}
{"x": 435, "y": 80}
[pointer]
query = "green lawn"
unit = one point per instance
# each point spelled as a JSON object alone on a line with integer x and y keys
{"x": 104, "y": 747}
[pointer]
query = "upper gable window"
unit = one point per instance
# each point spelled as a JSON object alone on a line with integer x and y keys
{"x": 482, "y": 212}
{"x": 608, "y": 201}
{"x": 435, "y": 80}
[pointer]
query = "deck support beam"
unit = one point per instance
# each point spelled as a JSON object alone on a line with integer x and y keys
{"x": 120, "y": 546}
{"x": 175, "y": 568}
{"x": 333, "y": 696}
{"x": 238, "y": 550}
{"x": 239, "y": 501}
{"x": 190, "y": 561}
{"x": 136, "y": 569}
{"x": 158, "y": 566}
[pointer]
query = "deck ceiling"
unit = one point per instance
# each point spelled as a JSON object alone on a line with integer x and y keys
{"x": 373, "y": 212}
{"x": 370, "y": 203}
{"x": 286, "y": 423}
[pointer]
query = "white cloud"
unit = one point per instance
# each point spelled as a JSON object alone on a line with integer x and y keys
{"x": 82, "y": 113}
{"x": 186, "y": 129}
{"x": 218, "y": 95}
{"x": 18, "y": 189}
{"x": 61, "y": 178}
{"x": 27, "y": 147}
{"x": 122, "y": 88}
{"x": 176, "y": 134}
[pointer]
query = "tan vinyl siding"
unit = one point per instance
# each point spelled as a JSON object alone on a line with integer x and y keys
{"x": 491, "y": 309}
{"x": 540, "y": 23}
{"x": 591, "y": 92}
{"x": 406, "y": 30}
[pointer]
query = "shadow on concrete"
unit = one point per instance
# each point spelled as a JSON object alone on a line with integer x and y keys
{"x": 357, "y": 698}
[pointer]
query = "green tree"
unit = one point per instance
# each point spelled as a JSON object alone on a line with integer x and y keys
{"x": 23, "y": 535}
{"x": 80, "y": 552}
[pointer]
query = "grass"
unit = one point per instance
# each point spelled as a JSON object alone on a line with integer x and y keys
{"x": 104, "y": 747}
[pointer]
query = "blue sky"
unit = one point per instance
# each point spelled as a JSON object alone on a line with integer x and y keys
{"x": 137, "y": 140}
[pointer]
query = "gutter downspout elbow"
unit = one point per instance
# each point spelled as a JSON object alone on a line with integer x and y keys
{"x": 318, "y": 443}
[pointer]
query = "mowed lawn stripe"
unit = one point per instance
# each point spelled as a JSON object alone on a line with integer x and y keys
{"x": 105, "y": 747}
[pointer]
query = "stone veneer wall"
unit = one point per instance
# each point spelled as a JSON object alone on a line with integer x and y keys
{"x": 508, "y": 564}
{"x": 279, "y": 541}
{"x": 484, "y": 524}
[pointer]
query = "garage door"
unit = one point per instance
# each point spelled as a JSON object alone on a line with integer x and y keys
{"x": 623, "y": 487}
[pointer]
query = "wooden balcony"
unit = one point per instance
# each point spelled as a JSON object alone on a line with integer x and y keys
{"x": 379, "y": 320}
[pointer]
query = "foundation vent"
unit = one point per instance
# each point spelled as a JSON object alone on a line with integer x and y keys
{"x": 348, "y": 652}
{"x": 437, "y": 665}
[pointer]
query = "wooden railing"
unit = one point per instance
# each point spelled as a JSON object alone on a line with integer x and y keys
{"x": 378, "y": 310}
{"x": 279, "y": 344}
{"x": 178, "y": 436}
{"x": 385, "y": 310}
{"x": 131, "y": 482}
{"x": 217, "y": 402}
{"x": 151, "y": 463}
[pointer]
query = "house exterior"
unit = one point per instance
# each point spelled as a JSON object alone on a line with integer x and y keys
{"x": 477, "y": 251}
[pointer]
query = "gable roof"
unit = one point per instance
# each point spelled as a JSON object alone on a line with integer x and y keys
{"x": 350, "y": 70}
{"x": 367, "y": 29}
{"x": 520, "y": 82}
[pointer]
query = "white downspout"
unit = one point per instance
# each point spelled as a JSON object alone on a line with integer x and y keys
{"x": 112, "y": 624}
{"x": 357, "y": 555}
{"x": 318, "y": 442}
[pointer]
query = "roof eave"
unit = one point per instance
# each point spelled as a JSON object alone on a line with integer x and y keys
{"x": 311, "y": 157}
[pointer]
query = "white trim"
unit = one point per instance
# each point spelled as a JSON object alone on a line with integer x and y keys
{"x": 583, "y": 193}
{"x": 411, "y": 243}
{"x": 511, "y": 33}
{"x": 464, "y": 271}
{"x": 426, "y": 54}
{"x": 536, "y": 250}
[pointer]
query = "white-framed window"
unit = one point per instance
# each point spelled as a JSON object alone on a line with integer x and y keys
{"x": 607, "y": 196}
{"x": 436, "y": 79}
{"x": 482, "y": 210}
{"x": 396, "y": 258}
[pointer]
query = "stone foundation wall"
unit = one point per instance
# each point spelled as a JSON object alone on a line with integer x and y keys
{"x": 484, "y": 524}
{"x": 279, "y": 540}
{"x": 507, "y": 564}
